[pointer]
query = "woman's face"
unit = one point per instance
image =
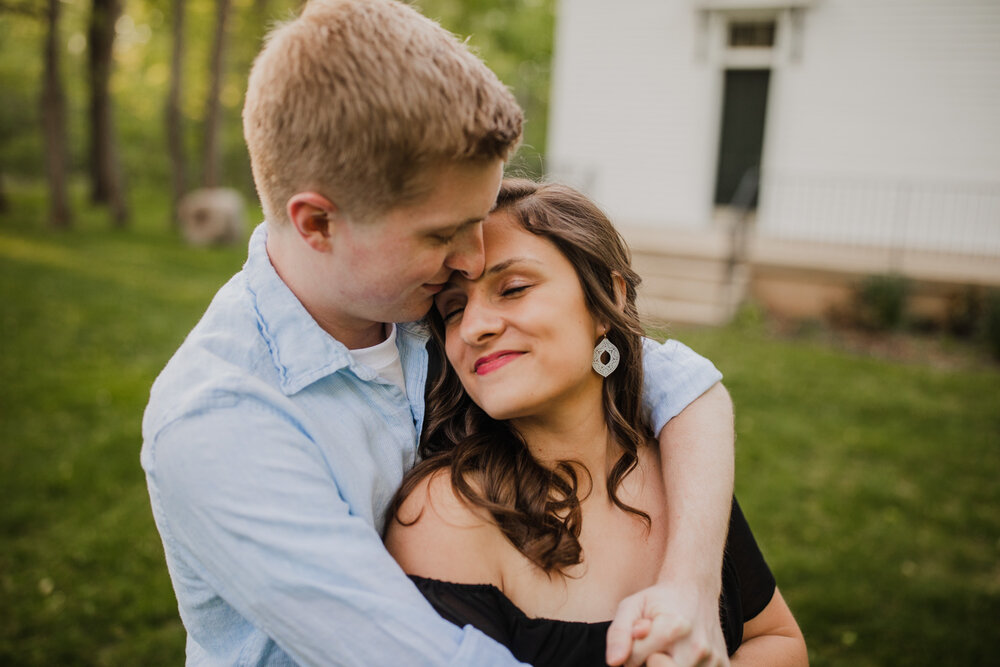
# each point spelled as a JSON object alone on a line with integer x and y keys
{"x": 521, "y": 337}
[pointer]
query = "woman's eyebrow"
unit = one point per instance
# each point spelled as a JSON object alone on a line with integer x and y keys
{"x": 507, "y": 263}
{"x": 499, "y": 267}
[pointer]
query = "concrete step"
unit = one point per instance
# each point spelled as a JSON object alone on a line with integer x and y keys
{"x": 685, "y": 276}
{"x": 675, "y": 242}
{"x": 695, "y": 287}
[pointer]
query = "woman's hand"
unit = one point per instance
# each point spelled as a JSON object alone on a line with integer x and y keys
{"x": 667, "y": 626}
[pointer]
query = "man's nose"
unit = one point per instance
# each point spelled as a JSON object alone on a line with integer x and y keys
{"x": 467, "y": 255}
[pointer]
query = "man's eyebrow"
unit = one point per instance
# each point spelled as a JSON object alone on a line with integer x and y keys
{"x": 455, "y": 228}
{"x": 477, "y": 219}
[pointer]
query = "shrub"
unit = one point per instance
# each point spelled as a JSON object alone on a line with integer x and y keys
{"x": 965, "y": 311}
{"x": 880, "y": 301}
{"x": 991, "y": 321}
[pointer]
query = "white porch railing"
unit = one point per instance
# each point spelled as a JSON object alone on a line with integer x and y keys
{"x": 949, "y": 217}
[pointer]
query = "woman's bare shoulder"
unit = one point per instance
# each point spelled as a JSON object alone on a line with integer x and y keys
{"x": 439, "y": 534}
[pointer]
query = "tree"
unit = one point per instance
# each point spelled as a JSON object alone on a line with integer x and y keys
{"x": 53, "y": 103}
{"x": 104, "y": 165}
{"x": 175, "y": 130}
{"x": 213, "y": 106}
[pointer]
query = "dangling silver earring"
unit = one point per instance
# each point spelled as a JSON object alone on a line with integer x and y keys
{"x": 606, "y": 369}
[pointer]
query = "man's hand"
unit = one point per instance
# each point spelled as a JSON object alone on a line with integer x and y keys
{"x": 668, "y": 625}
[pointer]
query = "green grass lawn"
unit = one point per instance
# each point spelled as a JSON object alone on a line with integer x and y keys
{"x": 871, "y": 485}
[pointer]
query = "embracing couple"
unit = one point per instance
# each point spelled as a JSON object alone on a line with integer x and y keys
{"x": 510, "y": 472}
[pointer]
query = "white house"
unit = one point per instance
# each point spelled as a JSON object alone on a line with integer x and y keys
{"x": 865, "y": 134}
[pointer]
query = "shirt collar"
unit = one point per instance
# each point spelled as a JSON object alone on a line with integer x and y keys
{"x": 300, "y": 349}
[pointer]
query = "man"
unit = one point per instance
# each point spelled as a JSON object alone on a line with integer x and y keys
{"x": 276, "y": 436}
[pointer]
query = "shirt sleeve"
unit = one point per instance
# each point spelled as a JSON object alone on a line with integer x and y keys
{"x": 674, "y": 375}
{"x": 267, "y": 529}
{"x": 756, "y": 580}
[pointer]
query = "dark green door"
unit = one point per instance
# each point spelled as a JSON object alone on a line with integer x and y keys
{"x": 744, "y": 107}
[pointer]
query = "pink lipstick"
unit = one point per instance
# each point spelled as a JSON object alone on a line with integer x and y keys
{"x": 492, "y": 362}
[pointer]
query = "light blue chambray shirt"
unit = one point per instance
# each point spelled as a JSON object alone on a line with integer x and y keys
{"x": 271, "y": 456}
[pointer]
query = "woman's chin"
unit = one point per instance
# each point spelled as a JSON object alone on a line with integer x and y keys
{"x": 504, "y": 411}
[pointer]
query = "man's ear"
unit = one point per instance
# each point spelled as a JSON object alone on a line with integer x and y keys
{"x": 313, "y": 217}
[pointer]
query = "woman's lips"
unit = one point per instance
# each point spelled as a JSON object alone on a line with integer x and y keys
{"x": 491, "y": 362}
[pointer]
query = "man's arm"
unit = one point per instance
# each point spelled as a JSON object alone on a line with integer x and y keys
{"x": 267, "y": 530}
{"x": 696, "y": 449}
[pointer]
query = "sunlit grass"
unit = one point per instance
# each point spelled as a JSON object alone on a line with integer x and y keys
{"x": 871, "y": 485}
{"x": 88, "y": 318}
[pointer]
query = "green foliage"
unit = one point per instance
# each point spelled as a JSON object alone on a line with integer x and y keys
{"x": 880, "y": 301}
{"x": 965, "y": 310}
{"x": 20, "y": 137}
{"x": 515, "y": 39}
{"x": 513, "y": 36}
{"x": 991, "y": 321}
{"x": 871, "y": 485}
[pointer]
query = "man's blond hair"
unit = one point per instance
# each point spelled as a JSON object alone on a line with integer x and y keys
{"x": 355, "y": 98}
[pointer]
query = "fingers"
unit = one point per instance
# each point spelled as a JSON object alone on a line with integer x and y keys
{"x": 664, "y": 631}
{"x": 660, "y": 660}
{"x": 642, "y": 628}
{"x": 698, "y": 653}
{"x": 620, "y": 632}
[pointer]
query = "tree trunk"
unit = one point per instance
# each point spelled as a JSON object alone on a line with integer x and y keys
{"x": 212, "y": 112}
{"x": 104, "y": 166}
{"x": 53, "y": 103}
{"x": 175, "y": 130}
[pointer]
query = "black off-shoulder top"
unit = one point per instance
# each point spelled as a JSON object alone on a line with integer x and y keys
{"x": 747, "y": 587}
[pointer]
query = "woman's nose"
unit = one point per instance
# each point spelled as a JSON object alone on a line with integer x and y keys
{"x": 480, "y": 322}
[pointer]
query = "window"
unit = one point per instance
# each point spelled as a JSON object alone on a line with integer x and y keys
{"x": 743, "y": 34}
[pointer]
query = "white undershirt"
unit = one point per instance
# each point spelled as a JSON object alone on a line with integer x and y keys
{"x": 384, "y": 359}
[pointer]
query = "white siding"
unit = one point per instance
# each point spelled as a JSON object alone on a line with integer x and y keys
{"x": 631, "y": 117}
{"x": 882, "y": 119}
{"x": 887, "y": 131}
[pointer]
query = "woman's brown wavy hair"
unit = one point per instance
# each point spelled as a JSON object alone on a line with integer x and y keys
{"x": 537, "y": 507}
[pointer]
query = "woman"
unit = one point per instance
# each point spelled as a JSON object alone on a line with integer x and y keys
{"x": 539, "y": 505}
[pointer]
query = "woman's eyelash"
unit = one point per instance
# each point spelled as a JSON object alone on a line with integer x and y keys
{"x": 511, "y": 291}
{"x": 451, "y": 314}
{"x": 448, "y": 314}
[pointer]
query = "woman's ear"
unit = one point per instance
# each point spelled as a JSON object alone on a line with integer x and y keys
{"x": 618, "y": 283}
{"x": 313, "y": 217}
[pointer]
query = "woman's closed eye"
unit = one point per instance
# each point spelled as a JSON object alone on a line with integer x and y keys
{"x": 452, "y": 307}
{"x": 513, "y": 290}
{"x": 451, "y": 313}
{"x": 449, "y": 308}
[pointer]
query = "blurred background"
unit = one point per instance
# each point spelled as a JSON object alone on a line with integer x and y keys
{"x": 812, "y": 192}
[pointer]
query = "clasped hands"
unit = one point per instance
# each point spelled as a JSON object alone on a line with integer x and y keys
{"x": 667, "y": 625}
